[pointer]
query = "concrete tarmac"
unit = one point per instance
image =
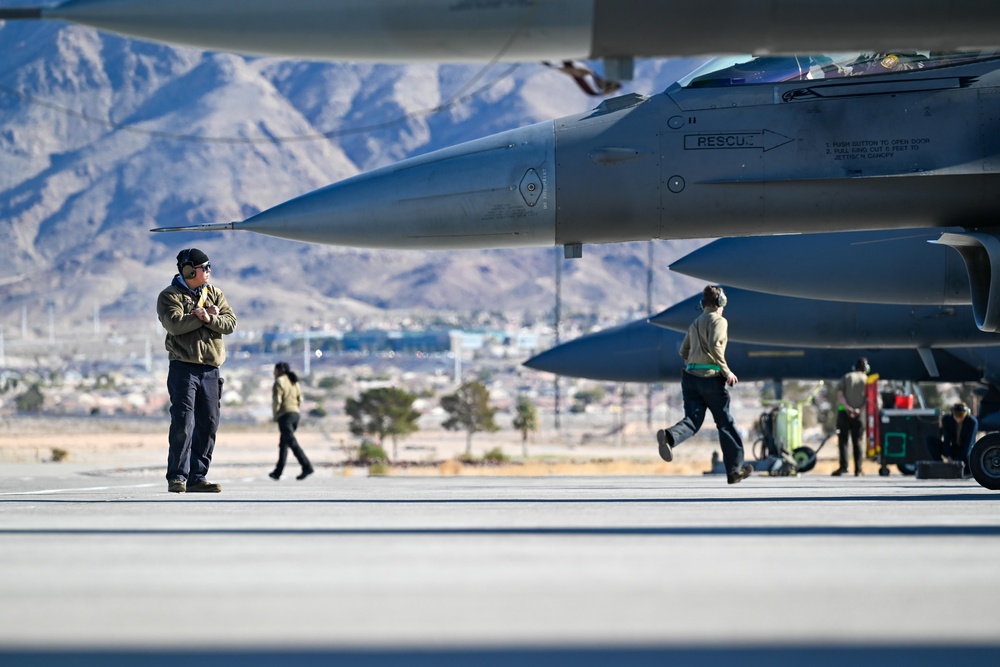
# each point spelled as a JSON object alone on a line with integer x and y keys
{"x": 103, "y": 568}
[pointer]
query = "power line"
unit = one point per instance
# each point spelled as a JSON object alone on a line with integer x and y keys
{"x": 172, "y": 136}
{"x": 458, "y": 97}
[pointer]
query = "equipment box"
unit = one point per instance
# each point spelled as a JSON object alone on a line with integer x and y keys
{"x": 907, "y": 437}
{"x": 940, "y": 469}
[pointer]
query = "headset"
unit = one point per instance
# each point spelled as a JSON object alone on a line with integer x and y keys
{"x": 719, "y": 301}
{"x": 185, "y": 260}
{"x": 862, "y": 365}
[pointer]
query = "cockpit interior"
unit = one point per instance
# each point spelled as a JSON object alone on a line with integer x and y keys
{"x": 741, "y": 70}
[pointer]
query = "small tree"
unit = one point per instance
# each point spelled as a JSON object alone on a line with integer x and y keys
{"x": 470, "y": 410}
{"x": 369, "y": 453}
{"x": 525, "y": 420}
{"x": 585, "y": 397}
{"x": 31, "y": 401}
{"x": 381, "y": 412}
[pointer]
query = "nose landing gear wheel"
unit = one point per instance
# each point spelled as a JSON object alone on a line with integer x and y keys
{"x": 984, "y": 461}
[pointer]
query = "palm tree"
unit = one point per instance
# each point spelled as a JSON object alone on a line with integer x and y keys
{"x": 525, "y": 420}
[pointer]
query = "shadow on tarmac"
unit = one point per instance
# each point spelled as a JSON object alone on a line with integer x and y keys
{"x": 655, "y": 531}
{"x": 814, "y": 656}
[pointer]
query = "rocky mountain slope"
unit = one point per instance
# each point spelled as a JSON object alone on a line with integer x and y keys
{"x": 102, "y": 138}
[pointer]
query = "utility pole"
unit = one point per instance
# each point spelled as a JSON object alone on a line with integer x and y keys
{"x": 52, "y": 323}
{"x": 455, "y": 339}
{"x": 649, "y": 311}
{"x": 623, "y": 397}
{"x": 306, "y": 353}
{"x": 558, "y": 317}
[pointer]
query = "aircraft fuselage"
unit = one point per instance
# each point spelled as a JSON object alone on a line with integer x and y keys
{"x": 715, "y": 156}
{"x": 899, "y": 150}
{"x": 513, "y": 30}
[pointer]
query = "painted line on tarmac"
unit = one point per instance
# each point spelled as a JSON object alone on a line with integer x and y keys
{"x": 83, "y": 488}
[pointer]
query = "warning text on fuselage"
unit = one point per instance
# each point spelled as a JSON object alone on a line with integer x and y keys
{"x": 716, "y": 141}
{"x": 764, "y": 140}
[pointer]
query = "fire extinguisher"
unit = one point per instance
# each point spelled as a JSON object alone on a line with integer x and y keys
{"x": 874, "y": 447}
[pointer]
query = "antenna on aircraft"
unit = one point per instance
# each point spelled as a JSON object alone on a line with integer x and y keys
{"x": 208, "y": 227}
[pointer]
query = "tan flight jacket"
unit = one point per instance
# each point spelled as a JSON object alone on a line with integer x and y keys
{"x": 188, "y": 338}
{"x": 286, "y": 396}
{"x": 705, "y": 343}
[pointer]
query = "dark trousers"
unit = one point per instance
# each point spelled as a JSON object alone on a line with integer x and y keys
{"x": 195, "y": 390}
{"x": 287, "y": 424}
{"x": 701, "y": 394}
{"x": 849, "y": 426}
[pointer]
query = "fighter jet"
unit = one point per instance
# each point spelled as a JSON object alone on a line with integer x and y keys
{"x": 896, "y": 266}
{"x": 756, "y": 317}
{"x": 642, "y": 352}
{"x": 521, "y": 30}
{"x": 910, "y": 266}
{"x": 743, "y": 146}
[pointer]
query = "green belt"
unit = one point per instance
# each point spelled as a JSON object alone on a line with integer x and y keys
{"x": 703, "y": 367}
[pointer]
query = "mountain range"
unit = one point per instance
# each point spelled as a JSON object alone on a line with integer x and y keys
{"x": 104, "y": 137}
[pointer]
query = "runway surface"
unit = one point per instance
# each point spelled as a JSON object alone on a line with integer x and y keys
{"x": 102, "y": 568}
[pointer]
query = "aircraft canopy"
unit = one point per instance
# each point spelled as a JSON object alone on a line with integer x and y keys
{"x": 741, "y": 70}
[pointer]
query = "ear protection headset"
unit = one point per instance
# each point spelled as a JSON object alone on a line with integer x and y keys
{"x": 718, "y": 301}
{"x": 185, "y": 261}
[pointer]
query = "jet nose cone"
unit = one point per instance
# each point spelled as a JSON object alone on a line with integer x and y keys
{"x": 629, "y": 353}
{"x": 717, "y": 261}
{"x": 679, "y": 316}
{"x": 496, "y": 192}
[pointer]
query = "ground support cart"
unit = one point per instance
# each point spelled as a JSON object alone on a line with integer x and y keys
{"x": 906, "y": 438}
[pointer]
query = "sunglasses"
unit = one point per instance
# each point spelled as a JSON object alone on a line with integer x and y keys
{"x": 207, "y": 266}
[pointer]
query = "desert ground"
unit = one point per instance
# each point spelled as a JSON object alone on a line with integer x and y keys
{"x": 137, "y": 447}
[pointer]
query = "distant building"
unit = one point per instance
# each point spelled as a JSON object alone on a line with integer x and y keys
{"x": 425, "y": 341}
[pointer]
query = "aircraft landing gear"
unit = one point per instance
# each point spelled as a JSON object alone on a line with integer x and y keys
{"x": 984, "y": 461}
